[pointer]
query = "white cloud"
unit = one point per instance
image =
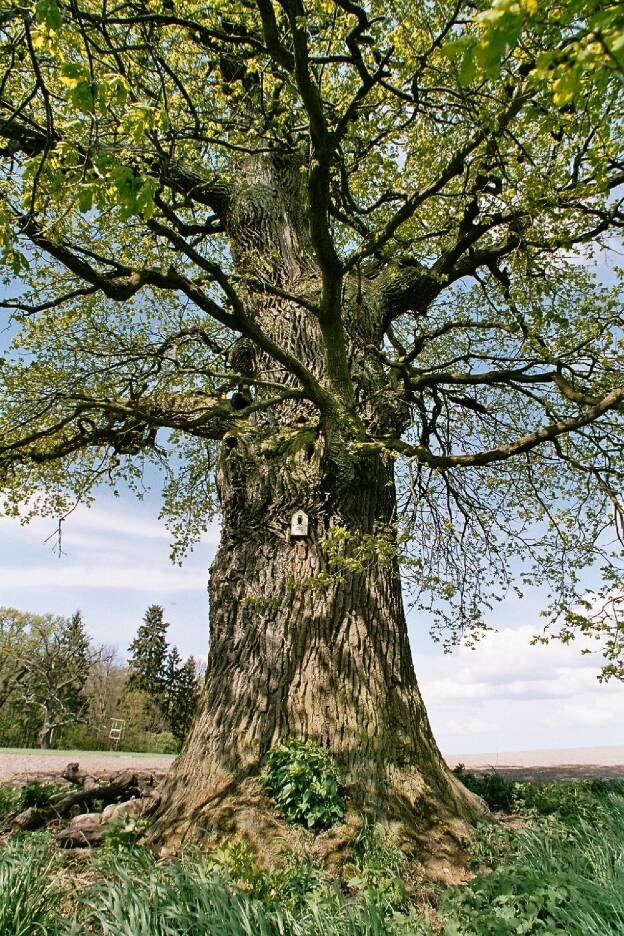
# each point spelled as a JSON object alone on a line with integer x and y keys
{"x": 110, "y": 546}
{"x": 508, "y": 695}
{"x": 504, "y": 664}
{"x": 86, "y": 524}
{"x": 107, "y": 575}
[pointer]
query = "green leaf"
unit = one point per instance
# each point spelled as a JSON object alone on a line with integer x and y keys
{"x": 48, "y": 13}
{"x": 468, "y": 67}
{"x": 85, "y": 199}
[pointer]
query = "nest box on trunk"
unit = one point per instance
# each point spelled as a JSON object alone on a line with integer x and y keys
{"x": 299, "y": 523}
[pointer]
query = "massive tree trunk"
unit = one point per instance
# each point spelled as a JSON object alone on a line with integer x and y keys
{"x": 291, "y": 656}
{"x": 299, "y": 648}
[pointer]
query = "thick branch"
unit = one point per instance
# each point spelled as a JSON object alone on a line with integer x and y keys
{"x": 526, "y": 443}
{"x": 28, "y": 139}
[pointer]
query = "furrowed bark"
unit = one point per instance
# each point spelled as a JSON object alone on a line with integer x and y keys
{"x": 292, "y": 658}
{"x": 295, "y": 652}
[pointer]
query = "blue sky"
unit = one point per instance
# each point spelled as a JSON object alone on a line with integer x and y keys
{"x": 503, "y": 696}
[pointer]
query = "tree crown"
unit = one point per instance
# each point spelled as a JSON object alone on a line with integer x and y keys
{"x": 171, "y": 177}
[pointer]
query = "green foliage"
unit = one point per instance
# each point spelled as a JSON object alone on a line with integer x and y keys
{"x": 140, "y": 898}
{"x": 29, "y": 894}
{"x": 492, "y": 844}
{"x": 494, "y": 788}
{"x": 565, "y": 875}
{"x": 162, "y": 742}
{"x": 120, "y": 840}
{"x": 568, "y": 800}
{"x": 380, "y": 869}
{"x": 148, "y": 655}
{"x": 158, "y": 674}
{"x": 182, "y": 693}
{"x": 287, "y": 887}
{"x": 304, "y": 783}
{"x": 9, "y": 800}
{"x": 45, "y": 661}
{"x": 37, "y": 794}
{"x": 562, "y": 875}
{"x": 516, "y": 900}
{"x": 585, "y": 38}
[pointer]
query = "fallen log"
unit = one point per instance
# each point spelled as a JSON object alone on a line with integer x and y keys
{"x": 82, "y": 832}
{"x": 88, "y": 830}
{"x": 73, "y": 774}
{"x": 132, "y": 808}
{"x": 29, "y": 819}
{"x": 124, "y": 786}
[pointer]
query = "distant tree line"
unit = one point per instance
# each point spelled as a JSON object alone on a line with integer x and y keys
{"x": 60, "y": 689}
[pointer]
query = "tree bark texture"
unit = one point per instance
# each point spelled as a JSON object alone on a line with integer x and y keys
{"x": 295, "y": 652}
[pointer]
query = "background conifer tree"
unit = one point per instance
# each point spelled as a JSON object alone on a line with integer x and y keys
{"x": 148, "y": 657}
{"x": 183, "y": 694}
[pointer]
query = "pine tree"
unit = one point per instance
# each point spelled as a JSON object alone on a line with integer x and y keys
{"x": 173, "y": 668}
{"x": 148, "y": 657}
{"x": 183, "y": 697}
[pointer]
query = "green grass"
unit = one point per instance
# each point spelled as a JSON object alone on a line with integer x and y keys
{"x": 29, "y": 895}
{"x": 563, "y": 873}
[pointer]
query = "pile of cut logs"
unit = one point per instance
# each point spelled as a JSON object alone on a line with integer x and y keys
{"x": 124, "y": 795}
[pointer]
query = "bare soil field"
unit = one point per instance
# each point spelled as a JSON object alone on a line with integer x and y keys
{"x": 546, "y": 765}
{"x": 17, "y": 766}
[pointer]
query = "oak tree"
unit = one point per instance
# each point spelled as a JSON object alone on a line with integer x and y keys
{"x": 305, "y": 256}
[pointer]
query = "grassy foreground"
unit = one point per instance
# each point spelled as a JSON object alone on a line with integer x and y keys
{"x": 561, "y": 870}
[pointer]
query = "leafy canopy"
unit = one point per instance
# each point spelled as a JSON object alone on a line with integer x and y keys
{"x": 443, "y": 176}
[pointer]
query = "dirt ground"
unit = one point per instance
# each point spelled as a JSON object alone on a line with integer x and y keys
{"x": 546, "y": 765}
{"x": 18, "y": 766}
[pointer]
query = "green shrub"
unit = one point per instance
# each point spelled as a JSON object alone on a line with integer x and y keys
{"x": 568, "y": 800}
{"x": 120, "y": 834}
{"x": 151, "y": 742}
{"x": 494, "y": 788}
{"x": 9, "y": 800}
{"x": 144, "y": 898}
{"x": 140, "y": 898}
{"x": 518, "y": 899}
{"x": 82, "y": 738}
{"x": 303, "y": 781}
{"x": 287, "y": 887}
{"x": 37, "y": 794}
{"x": 563, "y": 874}
{"x": 565, "y": 877}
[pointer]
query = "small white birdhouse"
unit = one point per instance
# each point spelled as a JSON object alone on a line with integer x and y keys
{"x": 299, "y": 524}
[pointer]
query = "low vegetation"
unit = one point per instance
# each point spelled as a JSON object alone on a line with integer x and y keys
{"x": 553, "y": 863}
{"x": 301, "y": 778}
